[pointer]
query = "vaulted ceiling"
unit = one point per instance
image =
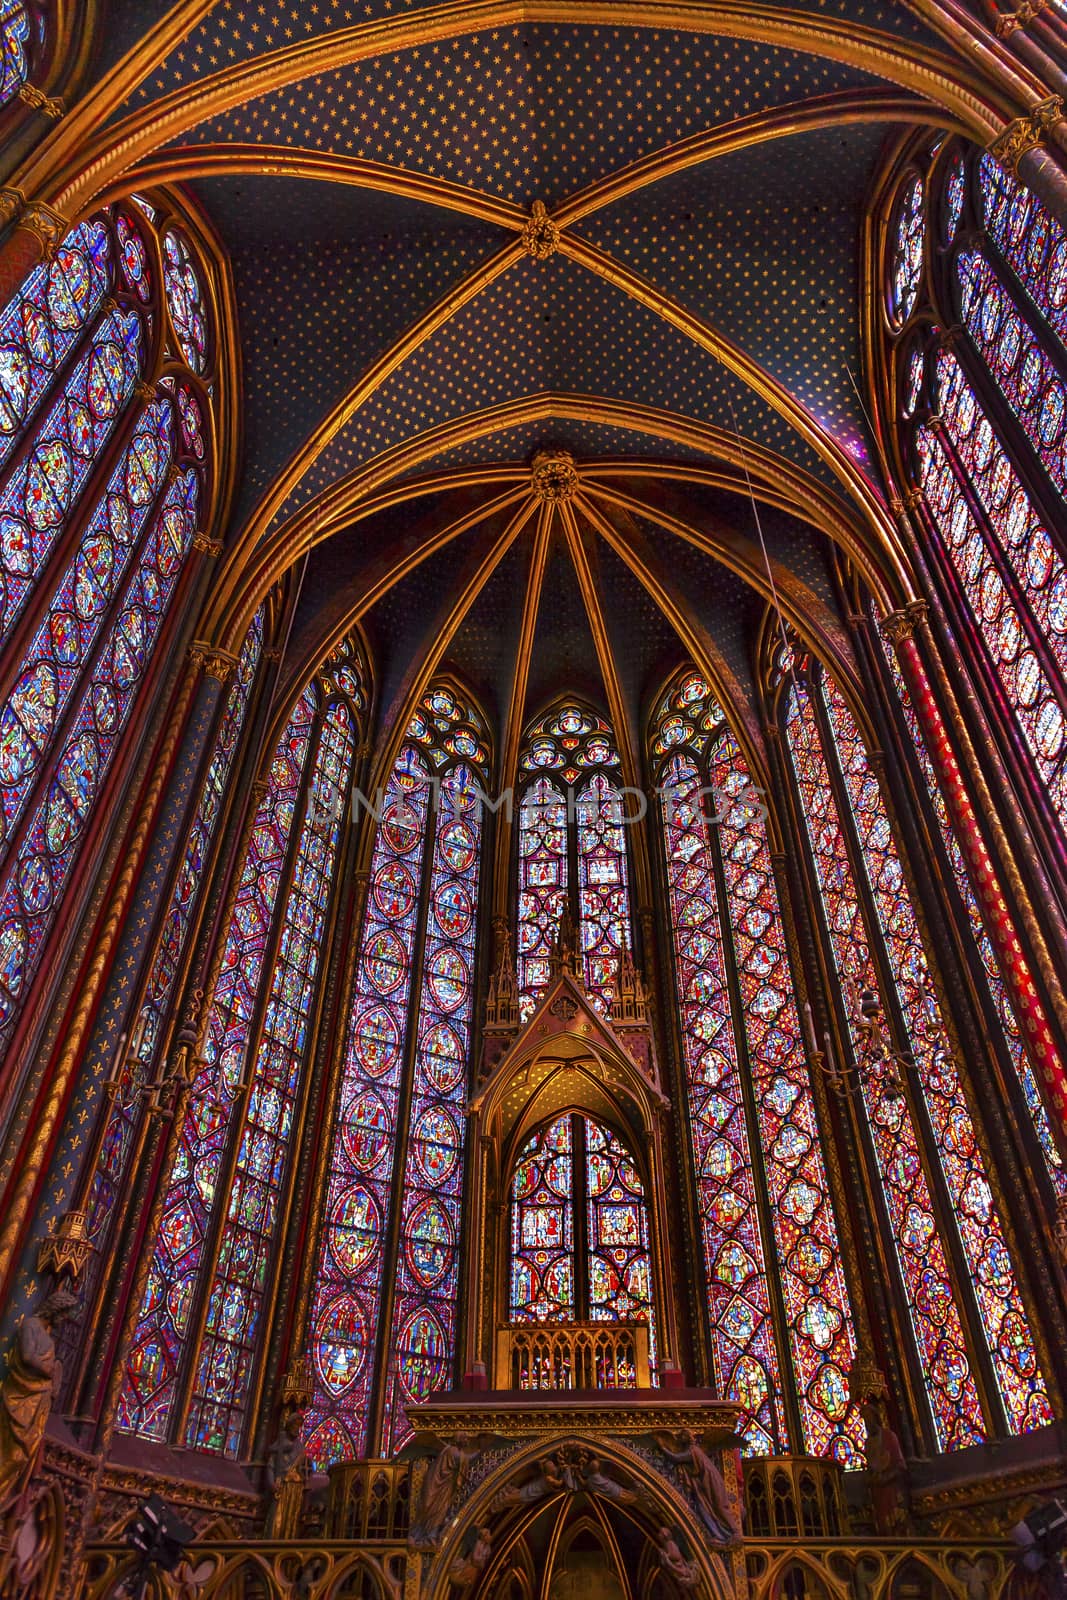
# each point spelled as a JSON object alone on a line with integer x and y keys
{"x": 684, "y": 319}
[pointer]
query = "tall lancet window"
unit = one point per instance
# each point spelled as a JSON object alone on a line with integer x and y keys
{"x": 1011, "y": 1034}
{"x": 383, "y": 1314}
{"x": 977, "y": 318}
{"x": 193, "y": 1358}
{"x": 779, "y": 1306}
{"x": 572, "y": 853}
{"x": 105, "y": 480}
{"x": 955, "y": 1265}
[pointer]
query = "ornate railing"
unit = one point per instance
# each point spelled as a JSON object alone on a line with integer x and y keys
{"x": 572, "y": 1355}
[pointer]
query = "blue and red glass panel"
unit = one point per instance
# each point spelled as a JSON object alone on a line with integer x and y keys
{"x": 153, "y": 1366}
{"x": 43, "y": 322}
{"x": 37, "y": 872}
{"x": 43, "y": 488}
{"x": 1004, "y": 1320}
{"x": 424, "y": 1317}
{"x": 59, "y": 651}
{"x": 159, "y": 990}
{"x": 603, "y": 890}
{"x": 746, "y": 1360}
{"x": 543, "y": 886}
{"x": 542, "y": 1228}
{"x": 937, "y": 1320}
{"x": 347, "y": 1297}
{"x": 235, "y": 1298}
{"x": 620, "y": 1259}
{"x": 817, "y": 1303}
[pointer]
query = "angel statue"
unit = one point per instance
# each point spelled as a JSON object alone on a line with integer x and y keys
{"x": 443, "y": 1482}
{"x": 705, "y": 1484}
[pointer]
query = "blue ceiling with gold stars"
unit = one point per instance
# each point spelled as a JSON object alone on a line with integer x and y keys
{"x": 701, "y": 187}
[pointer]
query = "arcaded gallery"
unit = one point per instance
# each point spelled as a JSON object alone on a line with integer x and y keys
{"x": 533, "y": 800}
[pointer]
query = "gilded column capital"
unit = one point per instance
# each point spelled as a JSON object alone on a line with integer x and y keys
{"x": 540, "y": 235}
{"x": 1021, "y": 17}
{"x": 207, "y": 546}
{"x": 902, "y": 505}
{"x": 218, "y": 664}
{"x": 145, "y": 392}
{"x": 47, "y": 224}
{"x": 900, "y": 625}
{"x": 11, "y": 204}
{"x": 36, "y": 98}
{"x": 1026, "y": 133}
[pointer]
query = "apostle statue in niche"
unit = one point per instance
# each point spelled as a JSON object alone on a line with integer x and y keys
{"x": 887, "y": 1470}
{"x": 28, "y": 1389}
{"x": 705, "y": 1484}
{"x": 286, "y": 1477}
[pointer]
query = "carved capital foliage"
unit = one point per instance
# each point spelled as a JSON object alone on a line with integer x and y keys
{"x": 1021, "y": 17}
{"x": 47, "y": 224}
{"x": 1026, "y": 133}
{"x": 900, "y": 625}
{"x": 30, "y": 95}
{"x": 216, "y": 663}
{"x": 206, "y": 546}
{"x": 11, "y": 203}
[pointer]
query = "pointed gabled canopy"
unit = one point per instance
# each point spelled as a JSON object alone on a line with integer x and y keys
{"x": 566, "y": 1057}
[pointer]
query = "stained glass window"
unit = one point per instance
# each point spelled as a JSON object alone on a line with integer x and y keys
{"x": 572, "y": 853}
{"x": 875, "y": 936}
{"x": 235, "y": 1297}
{"x": 89, "y": 566}
{"x": 749, "y": 1088}
{"x": 994, "y": 981}
{"x": 244, "y": 1098}
{"x": 146, "y": 1039}
{"x": 999, "y": 265}
{"x": 399, "y": 1122}
{"x": 18, "y": 24}
{"x": 579, "y": 1229}
{"x": 979, "y": 410}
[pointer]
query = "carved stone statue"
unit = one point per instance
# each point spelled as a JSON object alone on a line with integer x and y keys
{"x": 550, "y": 1478}
{"x": 705, "y": 1483}
{"x": 444, "y": 1480}
{"x": 686, "y": 1574}
{"x": 28, "y": 1388}
{"x": 593, "y": 1479}
{"x": 887, "y": 1471}
{"x": 467, "y": 1567}
{"x": 286, "y": 1478}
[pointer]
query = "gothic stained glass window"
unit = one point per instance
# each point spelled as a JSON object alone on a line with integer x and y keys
{"x": 542, "y": 1228}
{"x": 714, "y": 832}
{"x": 16, "y": 41}
{"x": 89, "y": 565}
{"x": 152, "y": 1369}
{"x": 234, "y": 1299}
{"x": 158, "y": 993}
{"x": 994, "y": 981}
{"x": 863, "y": 948}
{"x": 997, "y": 262}
{"x": 572, "y": 853}
{"x": 253, "y": 1056}
{"x": 399, "y": 1123}
{"x": 579, "y": 1229}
